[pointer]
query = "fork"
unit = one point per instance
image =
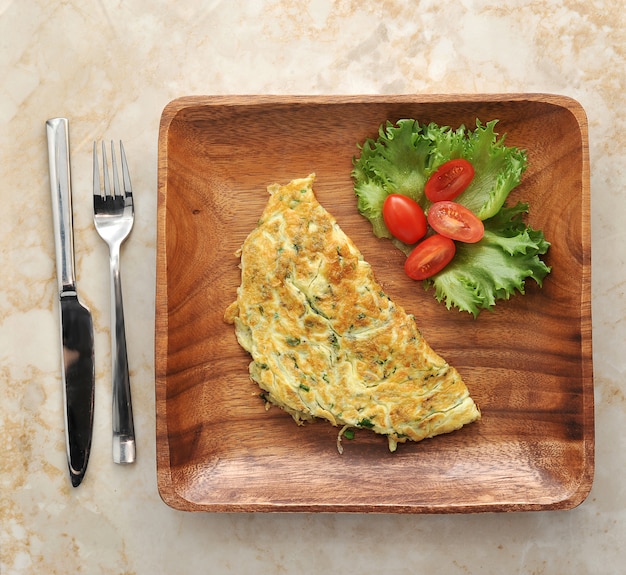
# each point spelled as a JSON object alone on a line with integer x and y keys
{"x": 113, "y": 218}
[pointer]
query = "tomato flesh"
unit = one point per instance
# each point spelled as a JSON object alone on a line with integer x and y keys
{"x": 449, "y": 180}
{"x": 404, "y": 218}
{"x": 429, "y": 257}
{"x": 456, "y": 222}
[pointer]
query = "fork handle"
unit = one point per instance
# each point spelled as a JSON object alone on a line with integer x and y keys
{"x": 123, "y": 427}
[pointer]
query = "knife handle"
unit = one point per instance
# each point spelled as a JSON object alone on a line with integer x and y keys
{"x": 61, "y": 189}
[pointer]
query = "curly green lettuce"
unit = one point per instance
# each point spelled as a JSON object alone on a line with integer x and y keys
{"x": 395, "y": 163}
{"x": 402, "y": 159}
{"x": 494, "y": 268}
{"x": 498, "y": 168}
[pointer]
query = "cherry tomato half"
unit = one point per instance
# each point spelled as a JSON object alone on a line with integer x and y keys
{"x": 449, "y": 180}
{"x": 455, "y": 222}
{"x": 429, "y": 257}
{"x": 404, "y": 218}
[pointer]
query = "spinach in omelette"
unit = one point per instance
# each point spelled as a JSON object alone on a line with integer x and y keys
{"x": 326, "y": 341}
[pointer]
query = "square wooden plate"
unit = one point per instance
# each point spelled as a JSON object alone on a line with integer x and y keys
{"x": 527, "y": 364}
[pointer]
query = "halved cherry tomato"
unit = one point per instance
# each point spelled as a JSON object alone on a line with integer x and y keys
{"x": 429, "y": 257}
{"x": 455, "y": 222}
{"x": 449, "y": 180}
{"x": 404, "y": 218}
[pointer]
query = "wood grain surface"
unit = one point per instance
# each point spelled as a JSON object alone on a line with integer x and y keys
{"x": 528, "y": 363}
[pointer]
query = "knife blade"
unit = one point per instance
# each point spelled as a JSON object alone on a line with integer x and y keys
{"x": 77, "y": 359}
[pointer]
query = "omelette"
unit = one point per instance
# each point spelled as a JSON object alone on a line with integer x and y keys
{"x": 326, "y": 341}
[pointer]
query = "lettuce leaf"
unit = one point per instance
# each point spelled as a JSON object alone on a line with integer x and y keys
{"x": 495, "y": 267}
{"x": 395, "y": 163}
{"x": 498, "y": 169}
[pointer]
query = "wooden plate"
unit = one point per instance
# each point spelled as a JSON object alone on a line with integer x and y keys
{"x": 527, "y": 364}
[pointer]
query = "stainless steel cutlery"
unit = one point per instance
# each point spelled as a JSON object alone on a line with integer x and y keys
{"x": 113, "y": 216}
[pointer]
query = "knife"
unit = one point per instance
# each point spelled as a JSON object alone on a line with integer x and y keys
{"x": 77, "y": 363}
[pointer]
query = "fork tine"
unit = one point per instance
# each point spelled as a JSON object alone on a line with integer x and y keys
{"x": 128, "y": 189}
{"x": 97, "y": 191}
{"x": 105, "y": 171}
{"x": 116, "y": 178}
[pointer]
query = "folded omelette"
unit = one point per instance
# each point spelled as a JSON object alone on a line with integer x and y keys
{"x": 326, "y": 341}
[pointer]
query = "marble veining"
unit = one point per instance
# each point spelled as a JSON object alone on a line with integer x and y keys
{"x": 111, "y": 67}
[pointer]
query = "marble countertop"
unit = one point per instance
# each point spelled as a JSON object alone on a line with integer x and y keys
{"x": 111, "y": 67}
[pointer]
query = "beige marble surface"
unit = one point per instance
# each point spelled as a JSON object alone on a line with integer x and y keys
{"x": 110, "y": 67}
